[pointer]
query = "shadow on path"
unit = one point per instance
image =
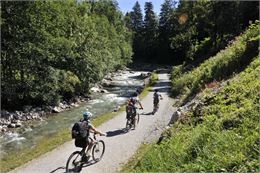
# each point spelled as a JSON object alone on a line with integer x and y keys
{"x": 62, "y": 167}
{"x": 115, "y": 132}
{"x": 149, "y": 113}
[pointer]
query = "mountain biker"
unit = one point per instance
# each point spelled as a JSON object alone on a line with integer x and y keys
{"x": 156, "y": 98}
{"x": 90, "y": 128}
{"x": 131, "y": 108}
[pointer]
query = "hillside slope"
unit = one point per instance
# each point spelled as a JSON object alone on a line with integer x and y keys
{"x": 218, "y": 129}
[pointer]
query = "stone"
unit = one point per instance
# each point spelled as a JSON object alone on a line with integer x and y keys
{"x": 56, "y": 110}
{"x": 12, "y": 125}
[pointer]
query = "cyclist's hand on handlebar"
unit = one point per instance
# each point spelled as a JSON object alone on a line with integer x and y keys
{"x": 103, "y": 134}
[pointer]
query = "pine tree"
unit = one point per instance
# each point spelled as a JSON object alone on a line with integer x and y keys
{"x": 150, "y": 31}
{"x": 136, "y": 17}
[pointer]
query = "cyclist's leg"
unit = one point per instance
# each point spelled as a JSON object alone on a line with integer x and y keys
{"x": 134, "y": 119}
{"x": 155, "y": 106}
{"x": 89, "y": 146}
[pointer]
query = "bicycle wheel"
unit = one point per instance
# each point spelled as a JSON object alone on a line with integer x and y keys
{"x": 155, "y": 108}
{"x": 98, "y": 150}
{"x": 74, "y": 162}
{"x": 128, "y": 125}
{"x": 137, "y": 118}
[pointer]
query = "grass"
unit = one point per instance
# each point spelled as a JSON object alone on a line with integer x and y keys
{"x": 221, "y": 136}
{"x": 48, "y": 143}
{"x": 227, "y": 62}
{"x": 135, "y": 159}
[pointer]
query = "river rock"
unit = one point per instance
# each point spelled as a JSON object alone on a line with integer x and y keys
{"x": 56, "y": 110}
{"x": 27, "y": 108}
{"x": 5, "y": 114}
{"x": 74, "y": 105}
{"x": 62, "y": 106}
{"x": 18, "y": 124}
{"x": 103, "y": 91}
{"x": 3, "y": 129}
{"x": 106, "y": 83}
{"x": 95, "y": 89}
{"x": 143, "y": 75}
{"x": 12, "y": 125}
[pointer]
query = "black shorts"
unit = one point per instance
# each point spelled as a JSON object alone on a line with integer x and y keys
{"x": 130, "y": 116}
{"x": 156, "y": 102}
{"x": 89, "y": 140}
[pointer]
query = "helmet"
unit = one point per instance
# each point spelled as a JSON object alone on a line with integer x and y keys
{"x": 87, "y": 115}
{"x": 156, "y": 90}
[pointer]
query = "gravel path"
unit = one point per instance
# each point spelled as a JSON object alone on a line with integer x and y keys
{"x": 120, "y": 146}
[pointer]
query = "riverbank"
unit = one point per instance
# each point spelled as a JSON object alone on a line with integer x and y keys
{"x": 11, "y": 121}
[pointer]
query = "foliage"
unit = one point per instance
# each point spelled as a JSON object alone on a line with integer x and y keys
{"x": 154, "y": 78}
{"x": 191, "y": 31}
{"x": 227, "y": 138}
{"x": 54, "y": 50}
{"x": 233, "y": 59}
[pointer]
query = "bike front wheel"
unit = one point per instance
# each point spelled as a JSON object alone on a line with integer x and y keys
{"x": 98, "y": 150}
{"x": 137, "y": 118}
{"x": 74, "y": 162}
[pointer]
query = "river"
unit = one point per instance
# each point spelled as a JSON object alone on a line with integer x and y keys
{"x": 123, "y": 85}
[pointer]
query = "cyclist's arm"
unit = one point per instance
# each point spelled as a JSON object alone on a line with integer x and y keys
{"x": 161, "y": 96}
{"x": 140, "y": 104}
{"x": 94, "y": 130}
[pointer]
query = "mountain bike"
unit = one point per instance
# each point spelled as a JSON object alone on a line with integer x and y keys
{"x": 155, "y": 106}
{"x": 132, "y": 122}
{"x": 78, "y": 158}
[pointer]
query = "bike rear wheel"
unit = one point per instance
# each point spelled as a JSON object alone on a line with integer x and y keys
{"x": 74, "y": 163}
{"x": 98, "y": 150}
{"x": 155, "y": 108}
{"x": 128, "y": 125}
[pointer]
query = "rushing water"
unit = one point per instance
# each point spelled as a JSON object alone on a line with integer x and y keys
{"x": 123, "y": 85}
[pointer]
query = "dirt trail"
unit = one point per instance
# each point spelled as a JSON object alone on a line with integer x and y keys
{"x": 120, "y": 146}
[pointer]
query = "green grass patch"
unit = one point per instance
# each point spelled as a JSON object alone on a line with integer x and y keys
{"x": 154, "y": 78}
{"x": 227, "y": 138}
{"x": 227, "y": 62}
{"x": 13, "y": 160}
{"x": 135, "y": 159}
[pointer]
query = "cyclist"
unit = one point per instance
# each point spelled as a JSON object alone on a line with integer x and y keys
{"x": 89, "y": 128}
{"x": 156, "y": 99}
{"x": 130, "y": 111}
{"x": 131, "y": 108}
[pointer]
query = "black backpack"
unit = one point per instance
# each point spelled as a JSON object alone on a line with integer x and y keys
{"x": 78, "y": 130}
{"x": 80, "y": 134}
{"x": 130, "y": 111}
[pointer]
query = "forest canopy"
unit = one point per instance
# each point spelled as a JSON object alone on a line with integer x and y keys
{"x": 54, "y": 50}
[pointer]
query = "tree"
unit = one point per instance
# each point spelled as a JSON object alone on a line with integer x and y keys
{"x": 54, "y": 50}
{"x": 150, "y": 32}
{"x": 166, "y": 27}
{"x": 136, "y": 18}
